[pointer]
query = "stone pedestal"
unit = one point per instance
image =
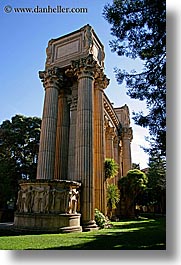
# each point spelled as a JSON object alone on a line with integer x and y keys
{"x": 47, "y": 223}
{"x": 49, "y": 206}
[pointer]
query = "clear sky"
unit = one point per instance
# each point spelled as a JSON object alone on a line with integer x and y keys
{"x": 24, "y": 38}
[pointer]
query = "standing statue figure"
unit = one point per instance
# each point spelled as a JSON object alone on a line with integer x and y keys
{"x": 19, "y": 203}
{"x": 39, "y": 198}
{"x": 73, "y": 200}
{"x": 88, "y": 39}
{"x": 29, "y": 200}
{"x": 47, "y": 200}
{"x": 49, "y": 52}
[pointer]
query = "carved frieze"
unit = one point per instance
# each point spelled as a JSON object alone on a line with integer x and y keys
{"x": 45, "y": 199}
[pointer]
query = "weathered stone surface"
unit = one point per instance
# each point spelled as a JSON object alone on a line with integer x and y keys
{"x": 80, "y": 128}
{"x": 38, "y": 222}
{"x": 48, "y": 205}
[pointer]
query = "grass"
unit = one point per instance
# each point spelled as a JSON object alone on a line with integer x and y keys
{"x": 138, "y": 234}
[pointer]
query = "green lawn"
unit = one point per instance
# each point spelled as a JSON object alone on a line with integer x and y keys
{"x": 133, "y": 234}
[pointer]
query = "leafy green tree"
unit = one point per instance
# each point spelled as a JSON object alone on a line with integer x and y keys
{"x": 130, "y": 187}
{"x": 156, "y": 192}
{"x": 113, "y": 197}
{"x": 19, "y": 144}
{"x": 111, "y": 168}
{"x": 139, "y": 31}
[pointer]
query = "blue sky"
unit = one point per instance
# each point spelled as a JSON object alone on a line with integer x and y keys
{"x": 24, "y": 39}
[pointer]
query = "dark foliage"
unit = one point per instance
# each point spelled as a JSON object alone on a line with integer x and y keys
{"x": 139, "y": 30}
{"x": 19, "y": 144}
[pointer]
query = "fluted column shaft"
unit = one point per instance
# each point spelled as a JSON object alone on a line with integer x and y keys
{"x": 46, "y": 157}
{"x": 84, "y": 144}
{"x": 116, "y": 158}
{"x": 126, "y": 149}
{"x": 101, "y": 83}
{"x": 72, "y": 140}
{"x": 109, "y": 142}
{"x": 62, "y": 137}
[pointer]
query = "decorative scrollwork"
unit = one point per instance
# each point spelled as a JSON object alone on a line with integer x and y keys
{"x": 52, "y": 77}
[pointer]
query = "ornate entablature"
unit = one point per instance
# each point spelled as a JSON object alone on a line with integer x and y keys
{"x": 117, "y": 118}
{"x": 80, "y": 44}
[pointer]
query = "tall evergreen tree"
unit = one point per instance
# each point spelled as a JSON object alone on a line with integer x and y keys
{"x": 139, "y": 30}
{"x": 156, "y": 193}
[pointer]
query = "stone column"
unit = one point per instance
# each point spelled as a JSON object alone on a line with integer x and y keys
{"x": 84, "y": 167}
{"x": 126, "y": 149}
{"x": 99, "y": 142}
{"x": 116, "y": 158}
{"x": 120, "y": 159}
{"x": 72, "y": 139}
{"x": 51, "y": 79}
{"x": 109, "y": 142}
{"x": 62, "y": 136}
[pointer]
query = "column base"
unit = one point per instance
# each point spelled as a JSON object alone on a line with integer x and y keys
{"x": 89, "y": 226}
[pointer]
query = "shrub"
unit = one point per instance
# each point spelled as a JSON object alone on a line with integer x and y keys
{"x": 100, "y": 219}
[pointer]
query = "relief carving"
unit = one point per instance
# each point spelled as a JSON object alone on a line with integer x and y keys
{"x": 47, "y": 199}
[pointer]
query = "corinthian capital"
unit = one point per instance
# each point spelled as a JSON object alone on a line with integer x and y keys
{"x": 52, "y": 77}
{"x": 127, "y": 133}
{"x": 83, "y": 67}
{"x": 101, "y": 80}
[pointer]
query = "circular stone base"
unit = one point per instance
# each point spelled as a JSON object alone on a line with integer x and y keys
{"x": 50, "y": 222}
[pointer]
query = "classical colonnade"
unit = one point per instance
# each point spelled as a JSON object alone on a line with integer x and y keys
{"x": 80, "y": 127}
{"x": 79, "y": 130}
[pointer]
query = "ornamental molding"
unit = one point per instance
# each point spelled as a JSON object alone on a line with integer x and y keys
{"x": 127, "y": 133}
{"x": 52, "y": 77}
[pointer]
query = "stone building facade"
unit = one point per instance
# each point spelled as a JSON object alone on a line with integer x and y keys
{"x": 80, "y": 127}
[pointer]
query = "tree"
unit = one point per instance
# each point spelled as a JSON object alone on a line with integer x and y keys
{"x": 130, "y": 187}
{"x": 113, "y": 197}
{"x": 111, "y": 168}
{"x": 19, "y": 144}
{"x": 156, "y": 192}
{"x": 139, "y": 30}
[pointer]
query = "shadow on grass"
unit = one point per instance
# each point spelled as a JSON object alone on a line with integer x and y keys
{"x": 141, "y": 234}
{"x": 136, "y": 236}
